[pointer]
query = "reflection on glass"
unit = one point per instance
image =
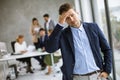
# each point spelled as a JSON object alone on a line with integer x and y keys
{"x": 102, "y": 18}
{"x": 114, "y": 8}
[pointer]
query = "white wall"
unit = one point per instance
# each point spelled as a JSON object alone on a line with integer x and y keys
{"x": 16, "y": 16}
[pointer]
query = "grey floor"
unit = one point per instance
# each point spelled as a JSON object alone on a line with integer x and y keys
{"x": 38, "y": 74}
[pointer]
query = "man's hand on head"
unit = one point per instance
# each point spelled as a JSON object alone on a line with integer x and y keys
{"x": 62, "y": 17}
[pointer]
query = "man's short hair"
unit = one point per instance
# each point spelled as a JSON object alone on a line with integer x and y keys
{"x": 64, "y": 8}
{"x": 41, "y": 29}
{"x": 46, "y": 15}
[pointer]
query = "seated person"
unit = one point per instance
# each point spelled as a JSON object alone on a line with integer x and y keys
{"x": 41, "y": 62}
{"x": 47, "y": 58}
{"x": 21, "y": 48}
{"x": 41, "y": 44}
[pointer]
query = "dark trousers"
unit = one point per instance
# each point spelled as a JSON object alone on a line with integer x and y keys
{"x": 40, "y": 60}
{"x": 36, "y": 45}
{"x": 28, "y": 61}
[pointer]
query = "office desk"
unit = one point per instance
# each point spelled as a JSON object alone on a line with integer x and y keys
{"x": 27, "y": 54}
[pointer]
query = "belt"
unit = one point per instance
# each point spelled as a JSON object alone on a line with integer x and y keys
{"x": 88, "y": 74}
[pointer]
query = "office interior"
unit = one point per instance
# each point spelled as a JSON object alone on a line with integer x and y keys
{"x": 16, "y": 16}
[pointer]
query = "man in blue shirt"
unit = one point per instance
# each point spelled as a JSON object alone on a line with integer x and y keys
{"x": 81, "y": 45}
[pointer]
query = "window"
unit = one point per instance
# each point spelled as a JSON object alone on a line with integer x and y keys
{"x": 114, "y": 8}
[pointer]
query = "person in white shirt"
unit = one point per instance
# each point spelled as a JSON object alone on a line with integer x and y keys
{"x": 35, "y": 35}
{"x": 21, "y": 48}
{"x": 34, "y": 30}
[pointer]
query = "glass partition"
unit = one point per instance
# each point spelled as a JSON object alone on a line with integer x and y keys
{"x": 114, "y": 8}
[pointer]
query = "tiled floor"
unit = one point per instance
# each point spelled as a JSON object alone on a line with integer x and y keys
{"x": 40, "y": 75}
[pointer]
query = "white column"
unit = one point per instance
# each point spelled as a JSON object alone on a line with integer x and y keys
{"x": 97, "y": 14}
{"x": 86, "y": 9}
{"x": 77, "y": 7}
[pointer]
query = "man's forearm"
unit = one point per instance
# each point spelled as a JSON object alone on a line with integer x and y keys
{"x": 52, "y": 44}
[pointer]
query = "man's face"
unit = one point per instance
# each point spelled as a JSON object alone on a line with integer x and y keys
{"x": 42, "y": 33}
{"x": 46, "y": 19}
{"x": 72, "y": 18}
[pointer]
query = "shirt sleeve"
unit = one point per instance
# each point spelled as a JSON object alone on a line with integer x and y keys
{"x": 25, "y": 45}
{"x": 17, "y": 49}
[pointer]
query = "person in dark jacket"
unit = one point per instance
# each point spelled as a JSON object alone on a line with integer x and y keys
{"x": 49, "y": 24}
{"x": 81, "y": 44}
{"x": 41, "y": 45}
{"x": 46, "y": 58}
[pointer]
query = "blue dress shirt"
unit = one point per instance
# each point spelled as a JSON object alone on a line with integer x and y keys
{"x": 84, "y": 60}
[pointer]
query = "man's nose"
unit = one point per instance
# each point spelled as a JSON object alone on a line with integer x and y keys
{"x": 71, "y": 18}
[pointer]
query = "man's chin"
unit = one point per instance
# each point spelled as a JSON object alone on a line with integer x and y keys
{"x": 73, "y": 26}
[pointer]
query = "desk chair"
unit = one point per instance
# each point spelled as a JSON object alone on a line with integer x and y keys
{"x": 12, "y": 45}
{"x": 3, "y": 51}
{"x": 13, "y": 48}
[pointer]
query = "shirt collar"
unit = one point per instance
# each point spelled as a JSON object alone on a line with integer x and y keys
{"x": 80, "y": 28}
{"x": 48, "y": 20}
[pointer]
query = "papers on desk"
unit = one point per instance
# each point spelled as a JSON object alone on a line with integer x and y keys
{"x": 31, "y": 48}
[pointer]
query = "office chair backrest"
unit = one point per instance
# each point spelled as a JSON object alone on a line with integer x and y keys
{"x": 13, "y": 45}
{"x": 3, "y": 48}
